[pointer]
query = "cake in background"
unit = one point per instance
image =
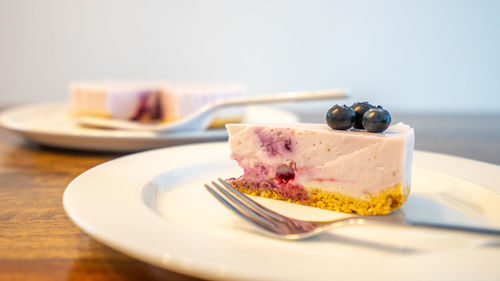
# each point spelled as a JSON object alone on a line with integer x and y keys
{"x": 152, "y": 102}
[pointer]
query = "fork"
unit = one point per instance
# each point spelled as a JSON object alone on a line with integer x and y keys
{"x": 276, "y": 225}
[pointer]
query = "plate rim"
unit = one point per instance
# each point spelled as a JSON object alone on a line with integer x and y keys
{"x": 148, "y": 140}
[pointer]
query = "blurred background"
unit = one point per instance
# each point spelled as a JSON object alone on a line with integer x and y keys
{"x": 410, "y": 56}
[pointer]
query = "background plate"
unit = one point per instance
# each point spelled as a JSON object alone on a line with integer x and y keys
{"x": 51, "y": 124}
{"x": 158, "y": 211}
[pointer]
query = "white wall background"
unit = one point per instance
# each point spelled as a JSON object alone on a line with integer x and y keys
{"x": 407, "y": 55}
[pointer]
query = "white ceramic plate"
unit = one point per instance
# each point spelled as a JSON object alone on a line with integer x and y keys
{"x": 51, "y": 124}
{"x": 153, "y": 206}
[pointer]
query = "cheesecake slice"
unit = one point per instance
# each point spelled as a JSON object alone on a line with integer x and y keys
{"x": 150, "y": 101}
{"x": 351, "y": 171}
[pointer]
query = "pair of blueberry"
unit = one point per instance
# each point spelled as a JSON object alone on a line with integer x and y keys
{"x": 361, "y": 115}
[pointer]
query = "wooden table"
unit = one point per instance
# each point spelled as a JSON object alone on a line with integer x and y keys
{"x": 39, "y": 242}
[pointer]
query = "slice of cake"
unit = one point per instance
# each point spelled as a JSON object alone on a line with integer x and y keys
{"x": 350, "y": 171}
{"x": 151, "y": 101}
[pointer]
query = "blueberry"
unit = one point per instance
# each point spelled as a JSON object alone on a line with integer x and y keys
{"x": 376, "y": 119}
{"x": 360, "y": 108}
{"x": 340, "y": 117}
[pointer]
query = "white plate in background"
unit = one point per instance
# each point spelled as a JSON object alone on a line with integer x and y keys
{"x": 51, "y": 124}
{"x": 156, "y": 209}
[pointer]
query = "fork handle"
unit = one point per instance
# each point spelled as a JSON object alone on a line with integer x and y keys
{"x": 284, "y": 97}
{"x": 404, "y": 222}
{"x": 455, "y": 227}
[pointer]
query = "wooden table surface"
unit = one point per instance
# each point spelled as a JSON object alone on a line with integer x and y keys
{"x": 39, "y": 242}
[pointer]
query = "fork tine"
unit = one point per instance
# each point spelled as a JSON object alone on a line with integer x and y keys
{"x": 241, "y": 210}
{"x": 257, "y": 206}
{"x": 242, "y": 204}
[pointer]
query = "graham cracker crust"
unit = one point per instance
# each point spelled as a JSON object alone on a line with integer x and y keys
{"x": 382, "y": 203}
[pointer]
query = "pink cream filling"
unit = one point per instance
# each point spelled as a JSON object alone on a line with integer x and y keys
{"x": 354, "y": 163}
{"x": 279, "y": 178}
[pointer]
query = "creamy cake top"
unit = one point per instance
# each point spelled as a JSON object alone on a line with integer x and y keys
{"x": 396, "y": 130}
